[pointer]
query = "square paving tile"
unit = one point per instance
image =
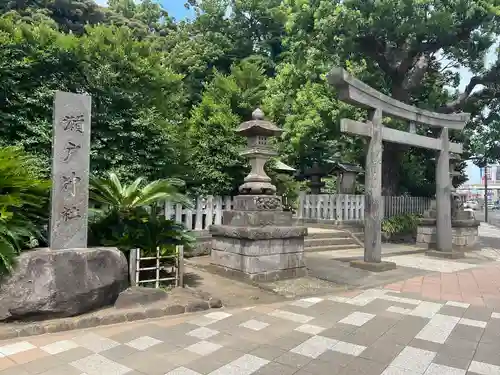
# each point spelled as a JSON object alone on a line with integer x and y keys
{"x": 203, "y": 348}
{"x": 148, "y": 363}
{"x": 487, "y": 353}
{"x": 336, "y": 358}
{"x": 203, "y": 333}
{"x": 310, "y": 329}
{"x": 290, "y": 340}
{"x": 483, "y": 368}
{"x": 357, "y": 318}
{"x": 338, "y": 333}
{"x": 62, "y": 370}
{"x": 320, "y": 367}
{"x": 452, "y": 311}
{"x": 247, "y": 364}
{"x": 315, "y": 346}
{"x": 362, "y": 366}
{"x": 254, "y": 325}
{"x": 436, "y": 369}
{"x": 382, "y": 351}
{"x": 466, "y": 332}
{"x": 268, "y": 352}
{"x": 95, "y": 342}
{"x": 15, "y": 348}
{"x": 293, "y": 360}
{"x": 98, "y": 365}
{"x": 452, "y": 361}
{"x": 478, "y": 313}
{"x": 291, "y": 316}
{"x": 274, "y": 368}
{"x": 204, "y": 365}
{"x": 182, "y": 357}
{"x": 73, "y": 354}
{"x": 59, "y": 346}
{"x": 459, "y": 348}
{"x": 118, "y": 352}
{"x": 413, "y": 359}
{"x": 143, "y": 343}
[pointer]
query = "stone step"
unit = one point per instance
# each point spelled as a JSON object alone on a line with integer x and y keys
{"x": 315, "y": 242}
{"x": 313, "y": 233}
{"x": 316, "y": 249}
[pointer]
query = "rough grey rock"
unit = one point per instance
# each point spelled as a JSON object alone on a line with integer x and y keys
{"x": 137, "y": 295}
{"x": 61, "y": 283}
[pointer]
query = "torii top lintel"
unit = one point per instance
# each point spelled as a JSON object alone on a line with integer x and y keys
{"x": 352, "y": 90}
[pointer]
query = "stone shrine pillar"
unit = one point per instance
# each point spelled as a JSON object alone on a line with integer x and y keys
{"x": 464, "y": 226}
{"x": 258, "y": 240}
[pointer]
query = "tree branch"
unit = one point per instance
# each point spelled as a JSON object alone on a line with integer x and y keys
{"x": 457, "y": 104}
{"x": 418, "y": 72}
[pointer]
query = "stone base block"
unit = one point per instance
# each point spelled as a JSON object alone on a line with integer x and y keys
{"x": 465, "y": 234}
{"x": 373, "y": 266}
{"x": 49, "y": 284}
{"x": 257, "y": 218}
{"x": 259, "y": 253}
{"x": 258, "y": 264}
{"x": 291, "y": 273}
{"x": 445, "y": 254}
{"x": 267, "y": 232}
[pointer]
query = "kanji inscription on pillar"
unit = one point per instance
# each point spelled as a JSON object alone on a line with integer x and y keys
{"x": 70, "y": 171}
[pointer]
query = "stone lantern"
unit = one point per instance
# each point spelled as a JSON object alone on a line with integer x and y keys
{"x": 258, "y": 153}
{"x": 314, "y": 174}
{"x": 258, "y": 240}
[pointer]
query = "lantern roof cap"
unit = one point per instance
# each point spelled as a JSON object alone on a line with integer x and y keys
{"x": 258, "y": 126}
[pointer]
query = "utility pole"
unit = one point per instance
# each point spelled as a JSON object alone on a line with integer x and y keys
{"x": 485, "y": 192}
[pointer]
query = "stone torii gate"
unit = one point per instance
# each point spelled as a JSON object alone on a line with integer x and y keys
{"x": 353, "y": 91}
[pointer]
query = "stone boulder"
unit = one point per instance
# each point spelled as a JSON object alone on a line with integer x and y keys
{"x": 50, "y": 284}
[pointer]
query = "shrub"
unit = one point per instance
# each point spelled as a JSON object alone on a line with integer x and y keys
{"x": 400, "y": 224}
{"x": 130, "y": 217}
{"x": 24, "y": 198}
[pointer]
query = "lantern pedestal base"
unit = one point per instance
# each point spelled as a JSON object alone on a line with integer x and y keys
{"x": 259, "y": 242}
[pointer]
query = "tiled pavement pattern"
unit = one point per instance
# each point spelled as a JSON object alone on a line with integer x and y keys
{"x": 372, "y": 332}
{"x": 479, "y": 286}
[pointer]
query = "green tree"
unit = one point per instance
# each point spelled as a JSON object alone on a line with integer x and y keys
{"x": 137, "y": 101}
{"x": 214, "y": 146}
{"x": 396, "y": 48}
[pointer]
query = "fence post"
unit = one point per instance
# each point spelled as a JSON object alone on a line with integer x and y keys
{"x": 301, "y": 207}
{"x": 180, "y": 267}
{"x": 132, "y": 266}
{"x": 209, "y": 219}
{"x": 199, "y": 214}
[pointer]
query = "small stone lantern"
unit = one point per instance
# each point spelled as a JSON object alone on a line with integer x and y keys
{"x": 258, "y": 153}
{"x": 314, "y": 174}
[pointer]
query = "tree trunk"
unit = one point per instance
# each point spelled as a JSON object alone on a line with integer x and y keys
{"x": 392, "y": 157}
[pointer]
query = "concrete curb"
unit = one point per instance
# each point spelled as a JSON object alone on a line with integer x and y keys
{"x": 102, "y": 318}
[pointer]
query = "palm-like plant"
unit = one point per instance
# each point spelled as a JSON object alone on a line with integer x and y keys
{"x": 129, "y": 218}
{"x": 111, "y": 193}
{"x": 24, "y": 196}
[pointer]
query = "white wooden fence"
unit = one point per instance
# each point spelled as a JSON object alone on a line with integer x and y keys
{"x": 159, "y": 268}
{"x": 339, "y": 207}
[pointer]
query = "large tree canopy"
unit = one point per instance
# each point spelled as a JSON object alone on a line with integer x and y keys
{"x": 167, "y": 94}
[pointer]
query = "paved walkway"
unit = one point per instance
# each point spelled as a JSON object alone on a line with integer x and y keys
{"x": 372, "y": 332}
{"x": 444, "y": 323}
